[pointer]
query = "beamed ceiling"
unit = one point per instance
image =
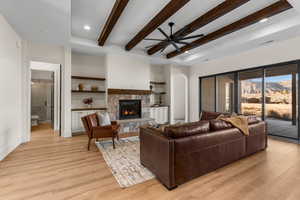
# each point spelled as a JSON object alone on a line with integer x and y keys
{"x": 218, "y": 20}
{"x": 229, "y": 26}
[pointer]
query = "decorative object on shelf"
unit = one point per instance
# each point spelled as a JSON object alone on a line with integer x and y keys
{"x": 94, "y": 88}
{"x": 151, "y": 87}
{"x": 80, "y": 87}
{"x": 88, "y": 102}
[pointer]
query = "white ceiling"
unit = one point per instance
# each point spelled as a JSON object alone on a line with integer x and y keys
{"x": 62, "y": 21}
{"x": 43, "y": 21}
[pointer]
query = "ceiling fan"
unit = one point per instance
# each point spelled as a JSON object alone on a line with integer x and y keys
{"x": 173, "y": 39}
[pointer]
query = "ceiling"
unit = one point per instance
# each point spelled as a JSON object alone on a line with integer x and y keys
{"x": 61, "y": 22}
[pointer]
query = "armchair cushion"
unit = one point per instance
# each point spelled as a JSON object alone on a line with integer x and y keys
{"x": 104, "y": 119}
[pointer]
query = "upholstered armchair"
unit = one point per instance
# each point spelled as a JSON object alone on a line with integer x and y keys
{"x": 95, "y": 131}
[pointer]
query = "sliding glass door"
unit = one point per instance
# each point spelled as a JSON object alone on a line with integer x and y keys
{"x": 250, "y": 92}
{"x": 281, "y": 102}
{"x": 269, "y": 92}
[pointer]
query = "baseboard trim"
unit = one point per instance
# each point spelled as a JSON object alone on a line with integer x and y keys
{"x": 5, "y": 151}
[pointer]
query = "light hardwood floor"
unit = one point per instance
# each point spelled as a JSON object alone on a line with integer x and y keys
{"x": 54, "y": 168}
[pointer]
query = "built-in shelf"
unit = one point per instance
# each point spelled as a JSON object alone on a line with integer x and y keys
{"x": 88, "y": 78}
{"x": 157, "y": 83}
{"x": 83, "y": 109}
{"x": 86, "y": 91}
{"x": 159, "y": 93}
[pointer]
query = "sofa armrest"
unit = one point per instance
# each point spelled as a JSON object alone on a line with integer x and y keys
{"x": 258, "y": 138}
{"x": 157, "y": 154}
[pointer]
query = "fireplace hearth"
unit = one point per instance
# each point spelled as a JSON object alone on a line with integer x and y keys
{"x": 130, "y": 109}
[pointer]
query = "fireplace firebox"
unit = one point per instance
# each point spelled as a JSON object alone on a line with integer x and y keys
{"x": 130, "y": 109}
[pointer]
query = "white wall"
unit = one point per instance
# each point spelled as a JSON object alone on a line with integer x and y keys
{"x": 127, "y": 72}
{"x": 274, "y": 53}
{"x": 48, "y": 54}
{"x": 175, "y": 110}
{"x": 11, "y": 99}
{"x": 179, "y": 92}
{"x": 90, "y": 66}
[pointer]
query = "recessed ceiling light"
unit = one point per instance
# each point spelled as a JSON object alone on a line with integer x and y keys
{"x": 264, "y": 20}
{"x": 87, "y": 27}
{"x": 186, "y": 52}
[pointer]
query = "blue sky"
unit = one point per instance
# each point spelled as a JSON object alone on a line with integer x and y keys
{"x": 279, "y": 78}
{"x": 274, "y": 78}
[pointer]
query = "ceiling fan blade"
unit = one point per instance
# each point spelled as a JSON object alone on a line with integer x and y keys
{"x": 150, "y": 46}
{"x": 185, "y": 43}
{"x": 160, "y": 30}
{"x": 154, "y": 39}
{"x": 164, "y": 48}
{"x": 175, "y": 45}
{"x": 178, "y": 34}
{"x": 192, "y": 37}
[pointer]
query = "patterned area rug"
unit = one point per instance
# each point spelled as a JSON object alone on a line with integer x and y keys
{"x": 124, "y": 161}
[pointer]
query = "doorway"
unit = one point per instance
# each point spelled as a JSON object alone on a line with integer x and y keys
{"x": 45, "y": 99}
{"x": 42, "y": 99}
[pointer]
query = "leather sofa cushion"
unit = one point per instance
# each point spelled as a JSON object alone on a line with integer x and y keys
{"x": 184, "y": 146}
{"x": 217, "y": 124}
{"x": 187, "y": 129}
{"x": 205, "y": 115}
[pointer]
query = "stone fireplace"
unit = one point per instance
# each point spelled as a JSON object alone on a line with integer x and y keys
{"x": 130, "y": 109}
{"x": 113, "y": 105}
{"x": 135, "y": 107}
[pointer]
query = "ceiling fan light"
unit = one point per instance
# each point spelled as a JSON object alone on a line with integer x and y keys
{"x": 264, "y": 20}
{"x": 86, "y": 27}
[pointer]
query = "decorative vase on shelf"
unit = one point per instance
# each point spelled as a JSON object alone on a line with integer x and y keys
{"x": 80, "y": 87}
{"x": 94, "y": 88}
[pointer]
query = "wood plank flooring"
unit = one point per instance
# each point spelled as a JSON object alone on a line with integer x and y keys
{"x": 54, "y": 168}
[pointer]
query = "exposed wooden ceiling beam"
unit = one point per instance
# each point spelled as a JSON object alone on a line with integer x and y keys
{"x": 215, "y": 13}
{"x": 267, "y": 12}
{"x": 112, "y": 20}
{"x": 170, "y": 9}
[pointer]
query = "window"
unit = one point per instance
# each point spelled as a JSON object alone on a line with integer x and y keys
{"x": 250, "y": 92}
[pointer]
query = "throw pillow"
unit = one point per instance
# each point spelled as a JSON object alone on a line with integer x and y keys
{"x": 104, "y": 119}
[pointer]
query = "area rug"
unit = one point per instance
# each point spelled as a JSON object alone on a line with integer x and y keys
{"x": 124, "y": 161}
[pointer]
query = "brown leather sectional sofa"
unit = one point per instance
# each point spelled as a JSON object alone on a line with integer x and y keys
{"x": 181, "y": 153}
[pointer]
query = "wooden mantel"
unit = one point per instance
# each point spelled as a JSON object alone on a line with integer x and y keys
{"x": 128, "y": 91}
